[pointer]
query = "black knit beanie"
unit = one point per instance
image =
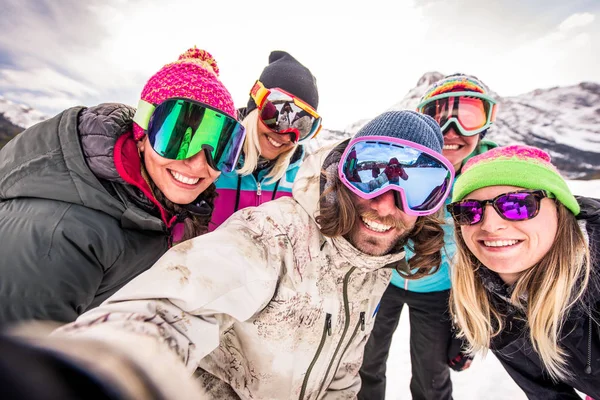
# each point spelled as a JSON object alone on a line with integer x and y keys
{"x": 285, "y": 72}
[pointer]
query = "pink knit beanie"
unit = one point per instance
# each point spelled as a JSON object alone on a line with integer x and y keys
{"x": 195, "y": 75}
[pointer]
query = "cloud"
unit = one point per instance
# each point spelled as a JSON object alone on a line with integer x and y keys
{"x": 365, "y": 55}
{"x": 578, "y": 20}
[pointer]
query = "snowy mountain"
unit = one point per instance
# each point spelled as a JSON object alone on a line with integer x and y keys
{"x": 20, "y": 114}
{"x": 565, "y": 121}
{"x": 16, "y": 117}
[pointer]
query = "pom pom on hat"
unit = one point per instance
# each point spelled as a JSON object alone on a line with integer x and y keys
{"x": 520, "y": 166}
{"x": 195, "y": 76}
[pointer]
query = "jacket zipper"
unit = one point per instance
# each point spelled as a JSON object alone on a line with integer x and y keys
{"x": 258, "y": 193}
{"x": 361, "y": 324}
{"x": 326, "y": 332}
{"x": 346, "y": 326}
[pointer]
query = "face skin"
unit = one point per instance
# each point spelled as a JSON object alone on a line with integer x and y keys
{"x": 272, "y": 144}
{"x": 519, "y": 245}
{"x": 458, "y": 147}
{"x": 168, "y": 174}
{"x": 379, "y": 225}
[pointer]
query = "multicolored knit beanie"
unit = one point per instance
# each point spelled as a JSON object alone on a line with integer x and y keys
{"x": 195, "y": 75}
{"x": 455, "y": 83}
{"x": 521, "y": 166}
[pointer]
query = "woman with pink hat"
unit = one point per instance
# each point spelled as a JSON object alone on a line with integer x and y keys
{"x": 525, "y": 281}
{"x": 94, "y": 196}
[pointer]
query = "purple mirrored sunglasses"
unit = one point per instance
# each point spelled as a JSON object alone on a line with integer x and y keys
{"x": 513, "y": 206}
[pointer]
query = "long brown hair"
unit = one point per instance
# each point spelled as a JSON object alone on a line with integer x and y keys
{"x": 544, "y": 293}
{"x": 337, "y": 218}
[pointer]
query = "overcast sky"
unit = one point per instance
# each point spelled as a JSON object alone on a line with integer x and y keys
{"x": 366, "y": 55}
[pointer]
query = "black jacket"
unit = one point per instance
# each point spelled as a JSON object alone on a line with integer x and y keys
{"x": 72, "y": 232}
{"x": 580, "y": 340}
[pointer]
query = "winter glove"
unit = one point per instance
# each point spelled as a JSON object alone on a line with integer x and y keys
{"x": 459, "y": 363}
{"x": 458, "y": 359}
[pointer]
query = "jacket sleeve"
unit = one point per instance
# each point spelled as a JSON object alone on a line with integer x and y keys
{"x": 195, "y": 291}
{"x": 536, "y": 386}
{"x": 55, "y": 274}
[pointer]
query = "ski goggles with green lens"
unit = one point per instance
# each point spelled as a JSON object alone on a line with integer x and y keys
{"x": 180, "y": 128}
{"x": 284, "y": 113}
{"x": 471, "y": 112}
{"x": 419, "y": 177}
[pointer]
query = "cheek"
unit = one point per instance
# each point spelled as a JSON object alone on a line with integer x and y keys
{"x": 467, "y": 234}
{"x": 471, "y": 142}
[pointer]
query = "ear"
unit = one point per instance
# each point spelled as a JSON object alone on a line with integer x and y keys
{"x": 141, "y": 143}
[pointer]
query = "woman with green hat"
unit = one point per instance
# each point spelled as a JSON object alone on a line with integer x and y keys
{"x": 524, "y": 282}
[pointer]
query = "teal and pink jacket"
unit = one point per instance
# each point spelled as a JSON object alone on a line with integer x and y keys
{"x": 237, "y": 192}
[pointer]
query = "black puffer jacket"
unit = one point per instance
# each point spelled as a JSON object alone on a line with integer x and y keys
{"x": 581, "y": 332}
{"x": 72, "y": 231}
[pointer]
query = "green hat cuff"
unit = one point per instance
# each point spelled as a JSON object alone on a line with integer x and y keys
{"x": 513, "y": 172}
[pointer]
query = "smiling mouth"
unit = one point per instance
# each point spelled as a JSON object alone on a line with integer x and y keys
{"x": 452, "y": 147}
{"x": 275, "y": 143}
{"x": 184, "y": 179}
{"x": 375, "y": 226}
{"x": 500, "y": 243}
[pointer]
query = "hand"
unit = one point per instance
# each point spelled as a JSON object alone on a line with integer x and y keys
{"x": 461, "y": 362}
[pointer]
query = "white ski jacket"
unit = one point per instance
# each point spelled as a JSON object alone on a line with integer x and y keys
{"x": 265, "y": 307}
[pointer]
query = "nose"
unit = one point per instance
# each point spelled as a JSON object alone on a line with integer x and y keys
{"x": 451, "y": 133}
{"x": 492, "y": 222}
{"x": 384, "y": 204}
{"x": 199, "y": 165}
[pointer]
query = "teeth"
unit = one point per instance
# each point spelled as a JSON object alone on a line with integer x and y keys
{"x": 274, "y": 143}
{"x": 451, "y": 147}
{"x": 500, "y": 243}
{"x": 376, "y": 226}
{"x": 184, "y": 179}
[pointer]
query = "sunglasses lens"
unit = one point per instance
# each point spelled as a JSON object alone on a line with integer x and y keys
{"x": 282, "y": 114}
{"x": 371, "y": 167}
{"x": 518, "y": 206}
{"x": 468, "y": 212}
{"x": 180, "y": 129}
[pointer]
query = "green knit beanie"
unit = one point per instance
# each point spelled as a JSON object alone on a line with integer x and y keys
{"x": 521, "y": 166}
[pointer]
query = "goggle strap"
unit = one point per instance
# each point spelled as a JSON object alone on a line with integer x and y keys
{"x": 259, "y": 93}
{"x": 143, "y": 114}
{"x": 305, "y": 107}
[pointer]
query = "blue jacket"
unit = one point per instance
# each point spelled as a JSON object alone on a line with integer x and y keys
{"x": 440, "y": 280}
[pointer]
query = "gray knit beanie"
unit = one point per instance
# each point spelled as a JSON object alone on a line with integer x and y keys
{"x": 407, "y": 125}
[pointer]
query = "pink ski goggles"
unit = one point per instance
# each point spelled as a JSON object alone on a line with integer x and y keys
{"x": 420, "y": 177}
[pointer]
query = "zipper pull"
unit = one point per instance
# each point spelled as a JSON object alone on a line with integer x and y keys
{"x": 362, "y": 321}
{"x": 258, "y": 189}
{"x": 328, "y": 323}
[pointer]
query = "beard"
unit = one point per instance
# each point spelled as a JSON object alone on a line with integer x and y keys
{"x": 378, "y": 245}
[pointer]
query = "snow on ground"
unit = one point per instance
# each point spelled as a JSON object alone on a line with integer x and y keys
{"x": 486, "y": 379}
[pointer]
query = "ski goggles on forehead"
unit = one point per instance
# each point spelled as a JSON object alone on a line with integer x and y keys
{"x": 471, "y": 112}
{"x": 178, "y": 129}
{"x": 285, "y": 113}
{"x": 513, "y": 206}
{"x": 420, "y": 177}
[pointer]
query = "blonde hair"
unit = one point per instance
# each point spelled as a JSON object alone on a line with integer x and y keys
{"x": 252, "y": 151}
{"x": 544, "y": 293}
